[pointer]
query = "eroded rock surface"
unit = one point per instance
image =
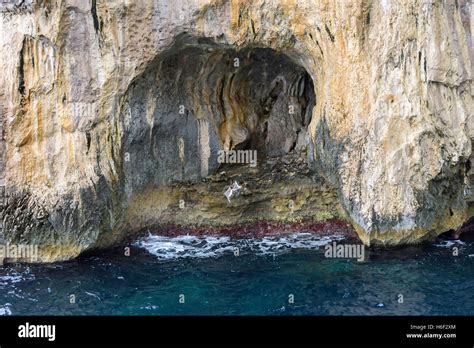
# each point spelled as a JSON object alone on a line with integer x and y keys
{"x": 90, "y": 125}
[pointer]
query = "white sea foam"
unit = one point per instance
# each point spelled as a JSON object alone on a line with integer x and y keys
{"x": 449, "y": 243}
{"x": 167, "y": 248}
{"x": 93, "y": 295}
{"x": 10, "y": 279}
{"x": 5, "y": 309}
{"x": 151, "y": 307}
{"x": 13, "y": 277}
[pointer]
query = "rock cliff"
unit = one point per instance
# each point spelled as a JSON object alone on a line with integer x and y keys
{"x": 113, "y": 114}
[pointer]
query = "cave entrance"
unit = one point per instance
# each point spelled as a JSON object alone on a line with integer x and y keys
{"x": 207, "y": 114}
{"x": 212, "y": 106}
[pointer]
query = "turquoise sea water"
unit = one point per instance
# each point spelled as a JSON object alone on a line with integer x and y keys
{"x": 261, "y": 280}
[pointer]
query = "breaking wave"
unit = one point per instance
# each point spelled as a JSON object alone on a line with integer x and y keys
{"x": 168, "y": 248}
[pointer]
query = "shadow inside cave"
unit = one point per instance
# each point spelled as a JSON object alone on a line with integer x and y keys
{"x": 199, "y": 98}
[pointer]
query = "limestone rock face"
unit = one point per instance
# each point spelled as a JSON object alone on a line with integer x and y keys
{"x": 104, "y": 104}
